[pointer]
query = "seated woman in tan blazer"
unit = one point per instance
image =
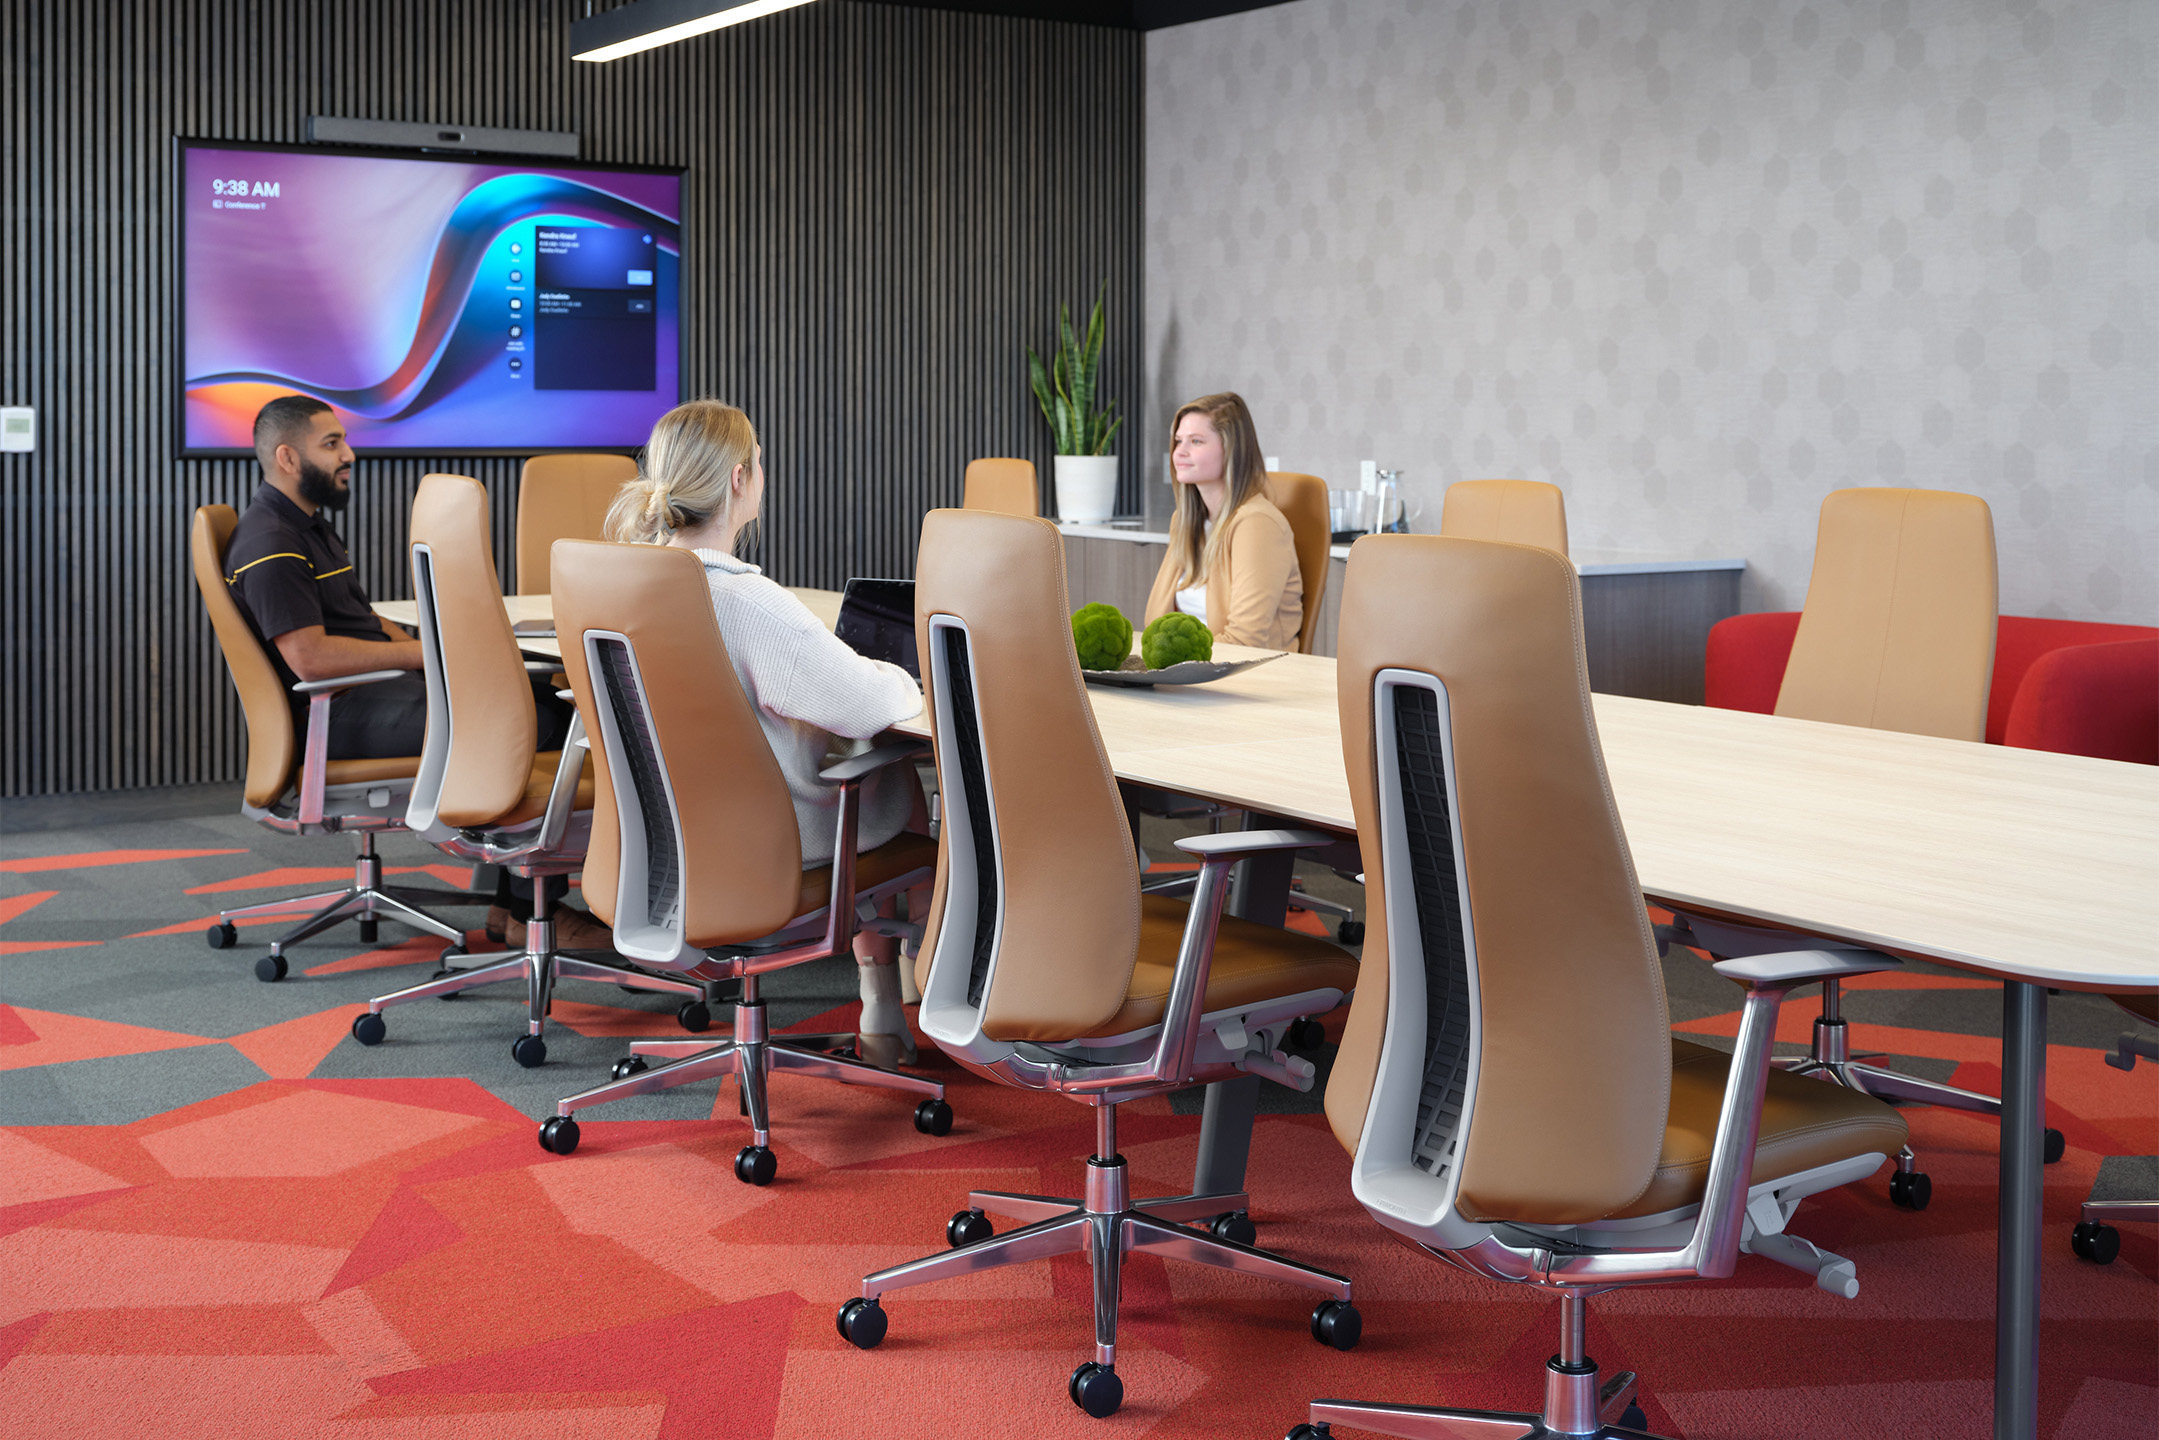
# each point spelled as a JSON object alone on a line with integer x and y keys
{"x": 1231, "y": 560}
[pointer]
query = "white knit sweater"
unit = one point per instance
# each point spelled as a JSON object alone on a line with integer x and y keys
{"x": 809, "y": 688}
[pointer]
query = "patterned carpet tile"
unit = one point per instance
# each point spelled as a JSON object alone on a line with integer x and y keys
{"x": 220, "y": 1215}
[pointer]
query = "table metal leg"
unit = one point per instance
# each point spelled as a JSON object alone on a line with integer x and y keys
{"x": 2016, "y": 1278}
{"x": 1259, "y": 892}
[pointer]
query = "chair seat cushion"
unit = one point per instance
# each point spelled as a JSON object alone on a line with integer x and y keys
{"x": 1252, "y": 963}
{"x": 540, "y": 783}
{"x": 902, "y": 854}
{"x": 1805, "y": 1123}
{"x": 362, "y": 772}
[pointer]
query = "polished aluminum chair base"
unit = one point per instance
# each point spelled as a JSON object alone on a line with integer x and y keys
{"x": 365, "y": 901}
{"x": 1105, "y": 1225}
{"x": 1575, "y": 1404}
{"x": 750, "y": 1055}
{"x": 540, "y": 965}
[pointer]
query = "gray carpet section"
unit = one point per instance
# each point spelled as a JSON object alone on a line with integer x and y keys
{"x": 121, "y": 1089}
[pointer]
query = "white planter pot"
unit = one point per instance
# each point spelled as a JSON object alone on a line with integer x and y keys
{"x": 1086, "y": 488}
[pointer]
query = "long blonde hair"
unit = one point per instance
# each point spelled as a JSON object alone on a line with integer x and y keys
{"x": 1192, "y": 541}
{"x": 686, "y": 474}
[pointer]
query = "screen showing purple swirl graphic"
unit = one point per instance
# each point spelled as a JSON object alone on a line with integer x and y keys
{"x": 443, "y": 305}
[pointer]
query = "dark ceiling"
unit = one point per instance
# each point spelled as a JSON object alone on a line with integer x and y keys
{"x": 1117, "y": 14}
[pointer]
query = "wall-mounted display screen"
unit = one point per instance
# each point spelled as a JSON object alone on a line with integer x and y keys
{"x": 445, "y": 305}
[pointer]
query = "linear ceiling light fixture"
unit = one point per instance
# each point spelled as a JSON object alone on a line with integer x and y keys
{"x": 645, "y": 24}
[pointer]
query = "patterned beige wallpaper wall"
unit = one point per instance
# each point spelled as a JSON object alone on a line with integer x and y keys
{"x": 1696, "y": 263}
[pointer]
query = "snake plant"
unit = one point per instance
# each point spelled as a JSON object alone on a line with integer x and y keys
{"x": 1067, "y": 387}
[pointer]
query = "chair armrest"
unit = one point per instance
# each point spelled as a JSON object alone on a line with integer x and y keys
{"x": 343, "y": 682}
{"x": 1234, "y": 844}
{"x": 855, "y": 767}
{"x": 1712, "y": 1251}
{"x": 1798, "y": 967}
{"x": 315, "y": 745}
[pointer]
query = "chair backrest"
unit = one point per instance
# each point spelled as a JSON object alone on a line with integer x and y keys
{"x": 1898, "y": 628}
{"x": 482, "y": 729}
{"x": 1302, "y": 499}
{"x": 563, "y": 497}
{"x": 1033, "y": 844}
{"x": 694, "y": 843}
{"x": 1515, "y": 512}
{"x": 272, "y": 744}
{"x": 1508, "y": 1055}
{"x": 1005, "y": 486}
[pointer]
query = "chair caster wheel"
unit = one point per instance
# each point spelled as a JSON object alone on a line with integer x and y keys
{"x": 222, "y": 936}
{"x": 2096, "y": 1242}
{"x": 755, "y": 1165}
{"x": 369, "y": 1029}
{"x": 444, "y": 972}
{"x": 694, "y": 1017}
{"x": 1632, "y": 1418}
{"x": 933, "y": 1117}
{"x": 968, "y": 1227}
{"x": 628, "y": 1066}
{"x": 368, "y": 929}
{"x": 1337, "y": 1324}
{"x": 1911, "y": 1189}
{"x": 861, "y": 1323}
{"x": 2052, "y": 1147}
{"x": 530, "y": 1051}
{"x": 1096, "y": 1390}
{"x": 558, "y": 1135}
{"x": 1305, "y": 1033}
{"x": 1309, "y": 1432}
{"x": 270, "y": 968}
{"x": 1235, "y": 1227}
{"x": 1351, "y": 932}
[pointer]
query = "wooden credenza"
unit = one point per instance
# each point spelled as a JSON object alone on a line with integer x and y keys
{"x": 1645, "y": 618}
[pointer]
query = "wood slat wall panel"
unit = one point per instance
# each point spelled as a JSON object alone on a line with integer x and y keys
{"x": 883, "y": 206}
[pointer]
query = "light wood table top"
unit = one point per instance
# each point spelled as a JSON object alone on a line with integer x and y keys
{"x": 2019, "y": 863}
{"x": 824, "y": 604}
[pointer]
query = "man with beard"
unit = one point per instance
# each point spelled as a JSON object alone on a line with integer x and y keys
{"x": 296, "y": 585}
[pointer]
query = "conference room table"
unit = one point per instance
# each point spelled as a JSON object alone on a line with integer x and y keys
{"x": 2031, "y": 868}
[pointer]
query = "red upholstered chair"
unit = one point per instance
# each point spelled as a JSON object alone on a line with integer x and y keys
{"x": 1744, "y": 663}
{"x": 2073, "y": 686}
{"x": 2089, "y": 699}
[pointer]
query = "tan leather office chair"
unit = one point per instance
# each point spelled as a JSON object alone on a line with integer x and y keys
{"x": 563, "y": 497}
{"x": 2093, "y": 1238}
{"x": 696, "y": 859}
{"x": 1005, "y": 486}
{"x": 1897, "y": 634}
{"x": 1508, "y": 1080}
{"x": 1302, "y": 499}
{"x": 1042, "y": 966}
{"x": 1518, "y": 512}
{"x": 484, "y": 792}
{"x": 304, "y": 793}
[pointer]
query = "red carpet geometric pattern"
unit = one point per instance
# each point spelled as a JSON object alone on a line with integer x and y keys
{"x": 298, "y": 1250}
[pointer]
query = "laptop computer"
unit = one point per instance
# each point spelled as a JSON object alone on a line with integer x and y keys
{"x": 877, "y": 619}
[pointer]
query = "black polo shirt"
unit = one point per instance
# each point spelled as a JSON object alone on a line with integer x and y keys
{"x": 289, "y": 570}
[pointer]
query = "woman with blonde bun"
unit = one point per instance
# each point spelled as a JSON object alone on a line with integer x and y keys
{"x": 1232, "y": 560}
{"x": 701, "y": 484}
